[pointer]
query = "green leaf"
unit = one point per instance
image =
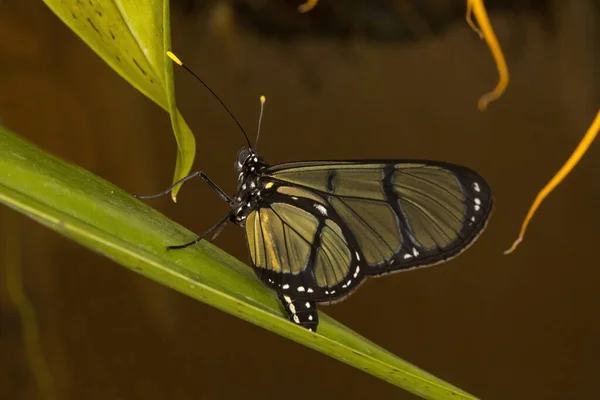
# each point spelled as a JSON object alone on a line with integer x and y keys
{"x": 185, "y": 142}
{"x": 108, "y": 220}
{"x": 132, "y": 36}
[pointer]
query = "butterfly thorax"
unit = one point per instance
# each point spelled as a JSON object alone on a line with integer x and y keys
{"x": 249, "y": 166}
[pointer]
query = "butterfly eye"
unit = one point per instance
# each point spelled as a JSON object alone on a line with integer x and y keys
{"x": 241, "y": 158}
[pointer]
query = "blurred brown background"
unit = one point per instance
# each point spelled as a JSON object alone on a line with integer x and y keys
{"x": 358, "y": 79}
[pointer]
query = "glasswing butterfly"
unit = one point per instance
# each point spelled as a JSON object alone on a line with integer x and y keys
{"x": 317, "y": 229}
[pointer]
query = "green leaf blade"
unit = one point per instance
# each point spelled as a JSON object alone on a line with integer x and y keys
{"x": 132, "y": 37}
{"x": 119, "y": 40}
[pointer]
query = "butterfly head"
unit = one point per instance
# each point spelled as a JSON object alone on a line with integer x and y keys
{"x": 248, "y": 163}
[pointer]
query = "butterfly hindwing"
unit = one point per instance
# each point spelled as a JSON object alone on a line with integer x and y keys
{"x": 300, "y": 250}
{"x": 322, "y": 227}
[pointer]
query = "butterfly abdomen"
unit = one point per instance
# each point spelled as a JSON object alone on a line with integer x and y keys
{"x": 301, "y": 312}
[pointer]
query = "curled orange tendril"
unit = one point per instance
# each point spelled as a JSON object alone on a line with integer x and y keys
{"x": 486, "y": 32}
{"x": 567, "y": 167}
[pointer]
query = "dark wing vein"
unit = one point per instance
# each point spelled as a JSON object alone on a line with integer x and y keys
{"x": 264, "y": 245}
{"x": 285, "y": 243}
{"x": 371, "y": 228}
{"x": 435, "y": 199}
{"x": 311, "y": 189}
{"x": 340, "y": 255}
{"x": 290, "y": 226}
{"x": 432, "y": 183}
{"x": 434, "y": 222}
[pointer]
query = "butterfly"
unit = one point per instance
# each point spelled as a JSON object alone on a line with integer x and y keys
{"x": 316, "y": 230}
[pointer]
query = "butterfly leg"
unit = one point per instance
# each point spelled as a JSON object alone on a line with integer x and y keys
{"x": 301, "y": 312}
{"x": 216, "y": 228}
{"x": 202, "y": 175}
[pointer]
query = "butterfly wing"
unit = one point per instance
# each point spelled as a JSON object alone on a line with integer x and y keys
{"x": 299, "y": 250}
{"x": 322, "y": 227}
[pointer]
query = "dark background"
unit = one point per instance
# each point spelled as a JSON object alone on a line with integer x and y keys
{"x": 395, "y": 79}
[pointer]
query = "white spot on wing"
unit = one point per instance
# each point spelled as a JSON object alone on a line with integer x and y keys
{"x": 287, "y": 299}
{"x": 292, "y": 308}
{"x": 415, "y": 252}
{"x": 307, "y": 304}
{"x": 476, "y": 187}
{"x": 477, "y": 207}
{"x": 357, "y": 255}
{"x": 301, "y": 289}
{"x": 357, "y": 271}
{"x": 286, "y": 286}
{"x": 309, "y": 290}
{"x": 406, "y": 256}
{"x": 320, "y": 209}
{"x": 310, "y": 317}
{"x": 477, "y": 201}
{"x": 296, "y": 319}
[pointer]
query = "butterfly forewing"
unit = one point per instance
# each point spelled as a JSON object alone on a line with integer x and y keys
{"x": 326, "y": 225}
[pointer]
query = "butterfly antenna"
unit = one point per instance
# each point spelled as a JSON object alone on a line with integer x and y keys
{"x": 262, "y": 107}
{"x": 177, "y": 61}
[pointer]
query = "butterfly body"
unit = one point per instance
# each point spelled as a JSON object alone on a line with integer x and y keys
{"x": 249, "y": 166}
{"x": 317, "y": 230}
